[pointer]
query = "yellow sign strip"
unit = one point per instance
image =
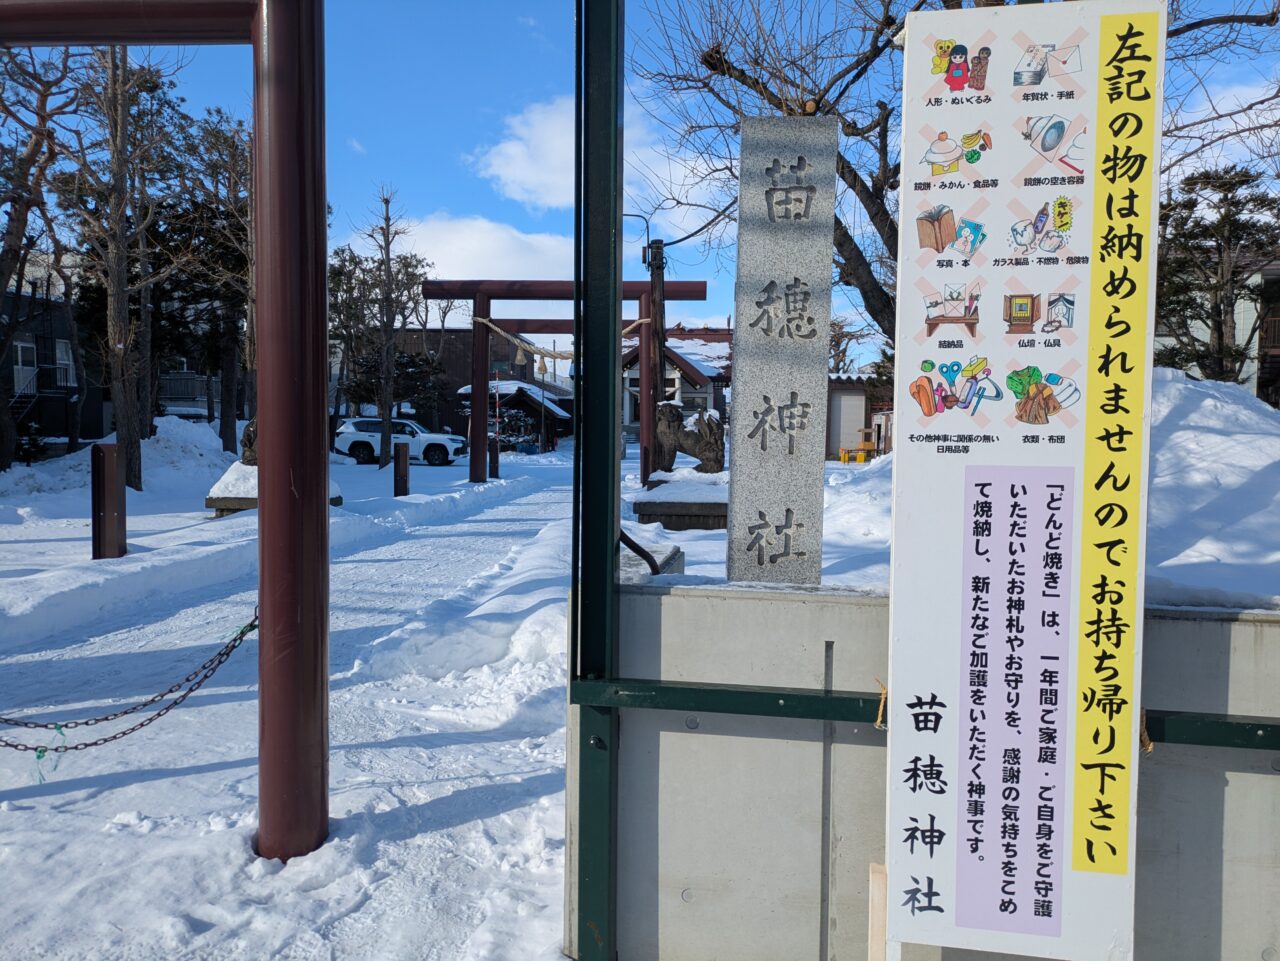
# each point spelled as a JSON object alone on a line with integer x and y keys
{"x": 1125, "y": 179}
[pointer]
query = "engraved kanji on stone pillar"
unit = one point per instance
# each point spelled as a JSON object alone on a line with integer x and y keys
{"x": 786, "y": 211}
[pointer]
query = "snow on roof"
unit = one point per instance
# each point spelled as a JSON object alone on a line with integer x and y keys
{"x": 711, "y": 359}
{"x": 506, "y": 388}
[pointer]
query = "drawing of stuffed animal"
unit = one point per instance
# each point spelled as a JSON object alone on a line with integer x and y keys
{"x": 942, "y": 55}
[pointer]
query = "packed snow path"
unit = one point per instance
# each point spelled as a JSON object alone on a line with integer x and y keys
{"x": 446, "y": 734}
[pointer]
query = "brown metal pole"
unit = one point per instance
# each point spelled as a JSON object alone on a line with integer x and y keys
{"x": 293, "y": 461}
{"x": 402, "y": 469}
{"x": 108, "y": 502}
{"x": 40, "y": 23}
{"x": 479, "y": 390}
{"x": 648, "y": 411}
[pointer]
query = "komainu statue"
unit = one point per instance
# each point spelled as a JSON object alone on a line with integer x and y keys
{"x": 249, "y": 443}
{"x": 705, "y": 440}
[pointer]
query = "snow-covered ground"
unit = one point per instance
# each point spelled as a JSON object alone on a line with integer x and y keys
{"x": 447, "y": 656}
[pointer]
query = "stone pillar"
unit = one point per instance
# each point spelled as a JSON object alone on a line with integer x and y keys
{"x": 780, "y": 344}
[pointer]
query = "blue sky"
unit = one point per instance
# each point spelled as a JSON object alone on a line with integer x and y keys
{"x": 466, "y": 109}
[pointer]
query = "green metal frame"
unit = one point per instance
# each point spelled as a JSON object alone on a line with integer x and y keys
{"x": 593, "y": 638}
{"x": 861, "y": 707}
{"x": 593, "y": 634}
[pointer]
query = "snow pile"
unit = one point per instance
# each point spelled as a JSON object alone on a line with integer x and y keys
{"x": 179, "y": 452}
{"x": 415, "y": 510}
{"x": 691, "y": 422}
{"x": 691, "y": 474}
{"x": 686, "y": 485}
{"x": 241, "y": 481}
{"x": 562, "y": 456}
{"x": 1213, "y": 523}
{"x": 855, "y": 543}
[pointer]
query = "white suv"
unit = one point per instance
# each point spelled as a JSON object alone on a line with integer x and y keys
{"x": 361, "y": 438}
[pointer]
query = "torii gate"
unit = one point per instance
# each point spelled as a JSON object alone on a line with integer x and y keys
{"x": 482, "y": 293}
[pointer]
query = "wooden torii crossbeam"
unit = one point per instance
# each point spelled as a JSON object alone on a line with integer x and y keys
{"x": 482, "y": 294}
{"x": 293, "y": 364}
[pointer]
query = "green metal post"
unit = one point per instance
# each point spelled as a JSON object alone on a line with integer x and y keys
{"x": 598, "y": 315}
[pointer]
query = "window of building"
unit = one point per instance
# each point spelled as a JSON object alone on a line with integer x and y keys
{"x": 24, "y": 367}
{"x": 66, "y": 364}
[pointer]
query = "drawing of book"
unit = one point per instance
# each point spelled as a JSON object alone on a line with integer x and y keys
{"x": 936, "y": 228}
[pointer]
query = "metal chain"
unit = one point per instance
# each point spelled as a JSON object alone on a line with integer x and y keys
{"x": 192, "y": 682}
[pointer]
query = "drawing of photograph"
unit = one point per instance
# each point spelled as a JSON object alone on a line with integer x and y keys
{"x": 969, "y": 237}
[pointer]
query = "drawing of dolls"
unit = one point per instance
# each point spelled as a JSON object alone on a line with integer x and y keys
{"x": 958, "y": 69}
{"x": 978, "y": 69}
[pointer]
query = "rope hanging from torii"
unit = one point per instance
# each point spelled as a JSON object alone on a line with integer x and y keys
{"x": 523, "y": 346}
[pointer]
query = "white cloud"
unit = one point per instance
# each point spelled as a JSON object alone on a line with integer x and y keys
{"x": 534, "y": 164}
{"x": 356, "y": 145}
{"x": 476, "y": 248}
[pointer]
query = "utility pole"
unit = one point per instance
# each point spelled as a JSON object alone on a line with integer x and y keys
{"x": 658, "y": 308}
{"x": 542, "y": 386}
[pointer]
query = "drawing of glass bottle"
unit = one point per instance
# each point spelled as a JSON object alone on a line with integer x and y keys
{"x": 1041, "y": 221}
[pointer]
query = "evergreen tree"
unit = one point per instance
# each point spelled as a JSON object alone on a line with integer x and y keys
{"x": 1217, "y": 232}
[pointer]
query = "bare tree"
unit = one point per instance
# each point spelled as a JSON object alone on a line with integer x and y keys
{"x": 843, "y": 338}
{"x": 443, "y": 309}
{"x": 35, "y": 89}
{"x": 397, "y": 285}
{"x": 114, "y": 159}
{"x": 706, "y": 64}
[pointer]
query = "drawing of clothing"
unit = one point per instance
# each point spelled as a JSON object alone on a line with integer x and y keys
{"x": 958, "y": 76}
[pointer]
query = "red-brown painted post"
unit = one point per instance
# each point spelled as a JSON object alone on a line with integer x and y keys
{"x": 479, "y": 391}
{"x": 402, "y": 469}
{"x": 644, "y": 364}
{"x": 293, "y": 470}
{"x": 108, "y": 501}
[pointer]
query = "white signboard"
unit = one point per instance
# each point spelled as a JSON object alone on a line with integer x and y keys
{"x": 1026, "y": 289}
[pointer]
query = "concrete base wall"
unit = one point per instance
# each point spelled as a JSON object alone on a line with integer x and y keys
{"x": 750, "y": 838}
